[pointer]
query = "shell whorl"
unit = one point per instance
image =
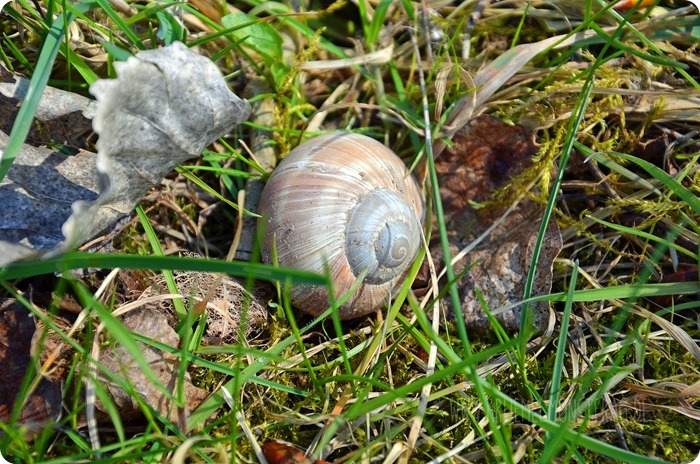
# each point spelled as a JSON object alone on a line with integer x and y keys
{"x": 382, "y": 236}
{"x": 343, "y": 204}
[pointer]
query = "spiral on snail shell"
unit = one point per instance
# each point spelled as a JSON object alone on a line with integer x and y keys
{"x": 345, "y": 204}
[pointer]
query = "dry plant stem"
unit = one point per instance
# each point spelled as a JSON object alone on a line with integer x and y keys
{"x": 522, "y": 444}
{"x": 201, "y": 305}
{"x": 239, "y": 228}
{"x": 123, "y": 7}
{"x": 80, "y": 320}
{"x": 382, "y": 56}
{"x": 240, "y": 417}
{"x": 432, "y": 355}
{"x": 262, "y": 151}
{"x": 428, "y": 46}
{"x": 231, "y": 255}
{"x": 319, "y": 117}
{"x": 92, "y": 368}
{"x": 180, "y": 454}
{"x": 678, "y": 334}
{"x": 434, "y": 279}
{"x": 465, "y": 443}
{"x": 187, "y": 223}
{"x": 381, "y": 109}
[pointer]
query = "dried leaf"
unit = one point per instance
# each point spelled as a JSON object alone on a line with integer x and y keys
{"x": 118, "y": 360}
{"x": 279, "y": 453}
{"x": 165, "y": 107}
{"x": 43, "y": 405}
{"x": 227, "y": 304}
{"x": 660, "y": 391}
{"x": 676, "y": 106}
{"x": 487, "y": 155}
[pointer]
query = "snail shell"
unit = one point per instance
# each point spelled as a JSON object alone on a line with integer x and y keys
{"x": 347, "y": 205}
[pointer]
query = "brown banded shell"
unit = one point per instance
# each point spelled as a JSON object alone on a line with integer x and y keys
{"x": 347, "y": 204}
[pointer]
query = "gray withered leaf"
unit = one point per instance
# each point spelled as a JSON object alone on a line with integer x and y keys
{"x": 165, "y": 107}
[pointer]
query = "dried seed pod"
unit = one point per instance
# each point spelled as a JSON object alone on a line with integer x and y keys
{"x": 346, "y": 204}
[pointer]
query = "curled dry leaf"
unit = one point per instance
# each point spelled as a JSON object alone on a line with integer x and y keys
{"x": 280, "y": 453}
{"x": 165, "y": 107}
{"x": 43, "y": 405}
{"x": 117, "y": 359}
{"x": 227, "y": 304}
{"x": 487, "y": 155}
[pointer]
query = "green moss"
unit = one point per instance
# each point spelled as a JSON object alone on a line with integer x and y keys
{"x": 666, "y": 434}
{"x": 132, "y": 241}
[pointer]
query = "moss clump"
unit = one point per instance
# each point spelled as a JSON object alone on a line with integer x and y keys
{"x": 666, "y": 434}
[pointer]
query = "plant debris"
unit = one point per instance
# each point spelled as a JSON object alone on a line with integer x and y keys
{"x": 165, "y": 107}
{"x": 41, "y": 404}
{"x": 487, "y": 157}
{"x": 230, "y": 309}
{"x": 165, "y": 366}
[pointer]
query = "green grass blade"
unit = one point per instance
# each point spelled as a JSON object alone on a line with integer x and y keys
{"x": 121, "y": 24}
{"x": 662, "y": 176}
{"x": 79, "y": 260}
{"x": 552, "y": 446}
{"x": 646, "y": 235}
{"x": 158, "y": 251}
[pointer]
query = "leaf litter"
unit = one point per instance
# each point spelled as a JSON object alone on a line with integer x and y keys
{"x": 488, "y": 155}
{"x": 39, "y": 402}
{"x": 164, "y": 108}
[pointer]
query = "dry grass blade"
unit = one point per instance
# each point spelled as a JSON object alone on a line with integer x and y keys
{"x": 677, "y": 333}
{"x": 417, "y": 424}
{"x": 382, "y": 56}
{"x": 660, "y": 390}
